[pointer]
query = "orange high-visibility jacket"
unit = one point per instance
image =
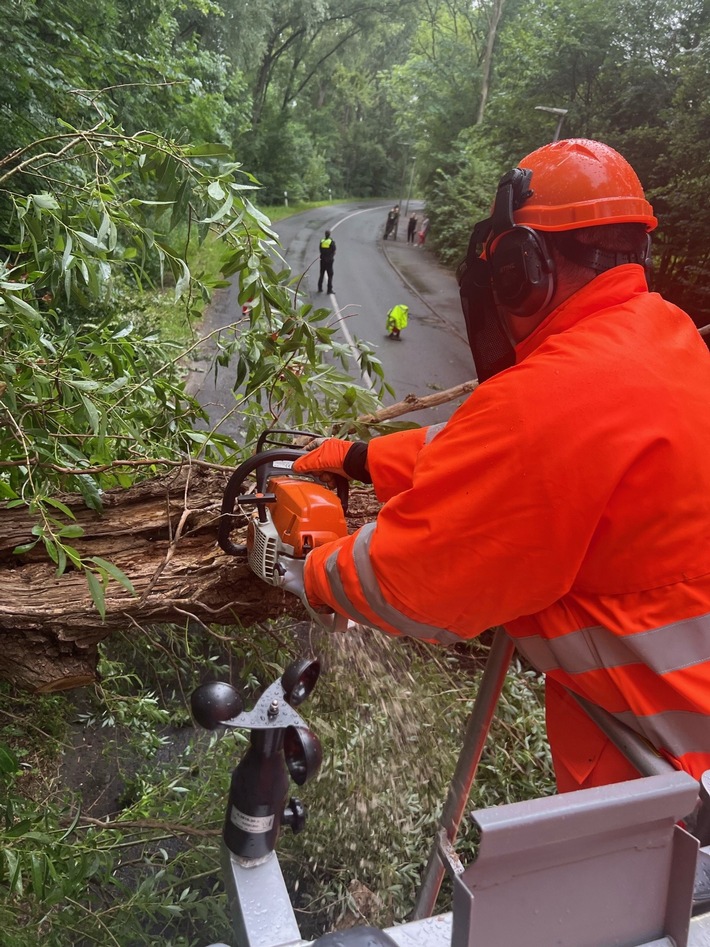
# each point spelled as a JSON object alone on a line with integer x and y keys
{"x": 567, "y": 499}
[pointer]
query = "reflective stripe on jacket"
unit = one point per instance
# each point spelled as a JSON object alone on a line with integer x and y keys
{"x": 568, "y": 499}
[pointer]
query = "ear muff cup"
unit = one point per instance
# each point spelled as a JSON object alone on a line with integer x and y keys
{"x": 522, "y": 271}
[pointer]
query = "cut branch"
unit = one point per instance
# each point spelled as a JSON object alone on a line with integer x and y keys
{"x": 415, "y": 403}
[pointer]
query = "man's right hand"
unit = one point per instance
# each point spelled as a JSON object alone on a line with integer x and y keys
{"x": 327, "y": 457}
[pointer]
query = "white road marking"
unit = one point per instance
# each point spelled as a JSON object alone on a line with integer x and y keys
{"x": 337, "y": 312}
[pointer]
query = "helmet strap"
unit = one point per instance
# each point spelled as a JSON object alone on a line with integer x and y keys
{"x": 600, "y": 260}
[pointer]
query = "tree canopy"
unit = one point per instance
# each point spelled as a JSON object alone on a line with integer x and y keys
{"x": 326, "y": 99}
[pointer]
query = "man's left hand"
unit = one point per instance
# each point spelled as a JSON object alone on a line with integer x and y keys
{"x": 290, "y": 572}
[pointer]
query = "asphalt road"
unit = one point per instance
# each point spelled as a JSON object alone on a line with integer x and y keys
{"x": 370, "y": 276}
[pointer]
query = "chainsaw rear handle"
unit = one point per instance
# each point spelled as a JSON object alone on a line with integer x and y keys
{"x": 261, "y": 462}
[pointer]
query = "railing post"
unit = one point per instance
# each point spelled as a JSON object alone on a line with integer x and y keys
{"x": 479, "y": 722}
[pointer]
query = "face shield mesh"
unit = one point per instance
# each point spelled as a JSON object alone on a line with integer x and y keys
{"x": 490, "y": 345}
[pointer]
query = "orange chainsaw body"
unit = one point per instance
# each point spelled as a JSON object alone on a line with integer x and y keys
{"x": 305, "y": 514}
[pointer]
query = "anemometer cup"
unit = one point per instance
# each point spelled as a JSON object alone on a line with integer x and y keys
{"x": 215, "y": 702}
{"x": 299, "y": 679}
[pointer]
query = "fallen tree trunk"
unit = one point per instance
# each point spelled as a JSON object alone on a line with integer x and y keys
{"x": 162, "y": 534}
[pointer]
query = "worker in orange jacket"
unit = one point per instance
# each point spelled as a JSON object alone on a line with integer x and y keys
{"x": 568, "y": 499}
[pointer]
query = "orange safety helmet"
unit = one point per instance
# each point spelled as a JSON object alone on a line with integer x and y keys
{"x": 581, "y": 183}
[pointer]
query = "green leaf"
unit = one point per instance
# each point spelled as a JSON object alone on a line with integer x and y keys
{"x": 58, "y": 505}
{"x": 184, "y": 281}
{"x": 45, "y": 201}
{"x": 61, "y": 561}
{"x": 222, "y": 212}
{"x": 84, "y": 384}
{"x": 215, "y": 191}
{"x": 21, "y": 306}
{"x": 73, "y": 531}
{"x": 8, "y": 761}
{"x": 67, "y": 254}
{"x": 93, "y": 243}
{"x": 14, "y": 866}
{"x": 91, "y": 413}
{"x": 20, "y": 828}
{"x": 115, "y": 385}
{"x": 74, "y": 823}
{"x": 25, "y": 547}
{"x": 96, "y": 591}
{"x": 38, "y": 873}
{"x": 73, "y": 554}
{"x": 206, "y": 150}
{"x": 113, "y": 571}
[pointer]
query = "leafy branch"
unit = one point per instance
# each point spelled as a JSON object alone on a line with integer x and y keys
{"x": 92, "y": 396}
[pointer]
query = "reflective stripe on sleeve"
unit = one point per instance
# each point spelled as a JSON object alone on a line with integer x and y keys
{"x": 432, "y": 431}
{"x": 669, "y": 648}
{"x": 371, "y": 591}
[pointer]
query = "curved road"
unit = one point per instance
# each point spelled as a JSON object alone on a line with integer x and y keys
{"x": 370, "y": 276}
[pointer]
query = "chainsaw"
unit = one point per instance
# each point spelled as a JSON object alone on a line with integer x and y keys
{"x": 288, "y": 514}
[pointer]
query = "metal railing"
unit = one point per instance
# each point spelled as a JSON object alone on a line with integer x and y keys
{"x": 639, "y": 753}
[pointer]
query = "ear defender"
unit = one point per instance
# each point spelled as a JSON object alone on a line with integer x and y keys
{"x": 522, "y": 272}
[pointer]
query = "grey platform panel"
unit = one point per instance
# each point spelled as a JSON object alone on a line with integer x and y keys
{"x": 428, "y": 932}
{"x": 605, "y": 867}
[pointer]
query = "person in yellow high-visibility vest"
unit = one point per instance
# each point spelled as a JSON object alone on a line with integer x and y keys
{"x": 327, "y": 255}
{"x": 397, "y": 319}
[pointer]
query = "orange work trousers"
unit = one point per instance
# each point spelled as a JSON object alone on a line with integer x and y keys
{"x": 582, "y": 755}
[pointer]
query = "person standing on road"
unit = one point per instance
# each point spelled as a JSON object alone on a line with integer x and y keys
{"x": 327, "y": 255}
{"x": 390, "y": 222}
{"x": 568, "y": 498}
{"x": 411, "y": 228}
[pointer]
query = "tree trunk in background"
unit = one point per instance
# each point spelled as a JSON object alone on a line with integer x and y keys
{"x": 162, "y": 534}
{"x": 496, "y": 11}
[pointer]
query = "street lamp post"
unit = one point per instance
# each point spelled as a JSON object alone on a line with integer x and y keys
{"x": 406, "y": 145}
{"x": 411, "y": 181}
{"x": 554, "y": 111}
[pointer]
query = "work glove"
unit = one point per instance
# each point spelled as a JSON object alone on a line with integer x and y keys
{"x": 290, "y": 573}
{"x": 330, "y": 455}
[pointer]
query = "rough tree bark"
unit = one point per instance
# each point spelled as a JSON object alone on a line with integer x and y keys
{"x": 162, "y": 534}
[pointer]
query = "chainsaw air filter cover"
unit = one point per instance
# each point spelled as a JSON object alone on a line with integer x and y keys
{"x": 305, "y": 514}
{"x": 262, "y": 547}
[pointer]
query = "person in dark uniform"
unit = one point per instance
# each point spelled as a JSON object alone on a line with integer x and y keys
{"x": 391, "y": 221}
{"x": 327, "y": 255}
{"x": 411, "y": 228}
